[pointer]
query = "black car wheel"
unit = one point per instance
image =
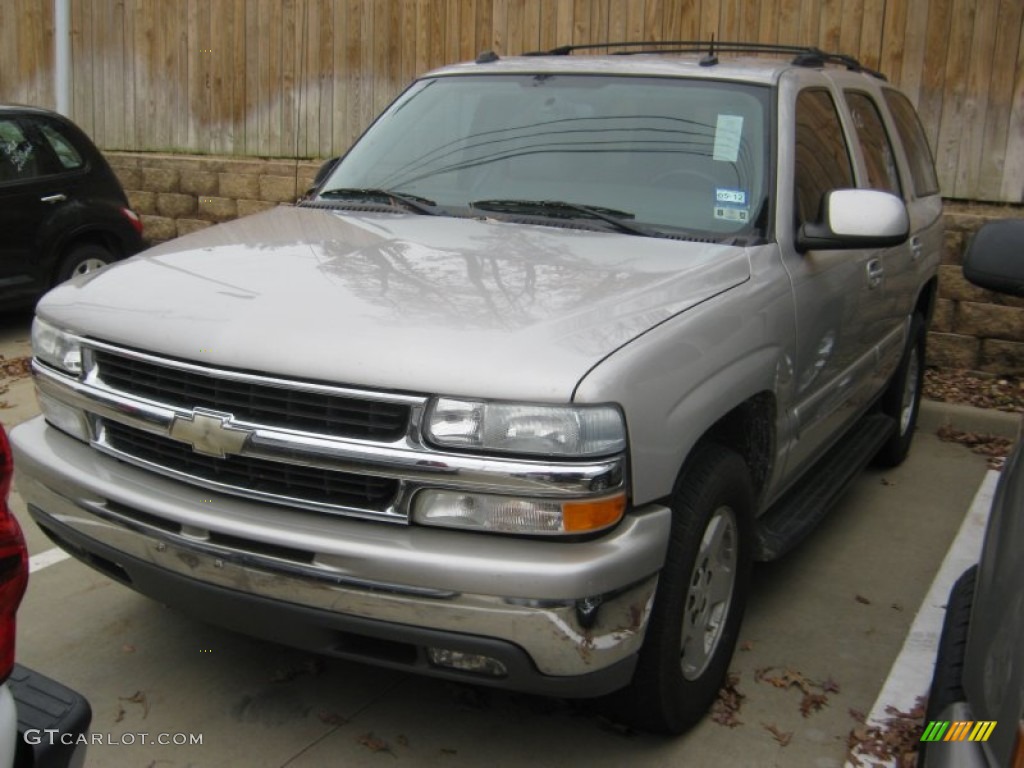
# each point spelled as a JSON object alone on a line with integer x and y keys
{"x": 701, "y": 596}
{"x": 83, "y": 259}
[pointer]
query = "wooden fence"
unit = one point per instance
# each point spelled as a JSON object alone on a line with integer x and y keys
{"x": 302, "y": 78}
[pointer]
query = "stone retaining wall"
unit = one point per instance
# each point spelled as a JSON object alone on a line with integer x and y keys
{"x": 177, "y": 194}
{"x": 974, "y": 328}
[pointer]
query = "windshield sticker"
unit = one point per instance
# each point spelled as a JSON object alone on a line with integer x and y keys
{"x": 737, "y": 196}
{"x": 731, "y": 212}
{"x": 728, "y": 134}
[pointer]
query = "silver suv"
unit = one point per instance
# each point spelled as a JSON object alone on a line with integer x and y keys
{"x": 521, "y": 390}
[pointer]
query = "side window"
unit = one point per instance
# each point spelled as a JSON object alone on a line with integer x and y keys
{"x": 874, "y": 143}
{"x": 908, "y": 125}
{"x": 69, "y": 157}
{"x": 822, "y": 157}
{"x": 18, "y": 156}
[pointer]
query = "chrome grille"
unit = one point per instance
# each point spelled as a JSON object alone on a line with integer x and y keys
{"x": 257, "y": 476}
{"x": 253, "y": 401}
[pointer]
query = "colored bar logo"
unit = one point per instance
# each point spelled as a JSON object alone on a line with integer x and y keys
{"x": 958, "y": 730}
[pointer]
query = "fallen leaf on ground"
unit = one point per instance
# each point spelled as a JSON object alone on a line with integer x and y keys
{"x": 746, "y": 645}
{"x": 613, "y": 726}
{"x": 374, "y": 744}
{"x": 128, "y": 648}
{"x": 120, "y": 714}
{"x": 861, "y": 599}
{"x": 726, "y": 708}
{"x": 958, "y": 386}
{"x": 812, "y": 702}
{"x": 995, "y": 447}
{"x": 15, "y": 368}
{"x": 138, "y": 698}
{"x": 332, "y": 718}
{"x": 785, "y": 679}
{"x": 895, "y": 739}
{"x": 783, "y": 737}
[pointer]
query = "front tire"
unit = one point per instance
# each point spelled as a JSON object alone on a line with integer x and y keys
{"x": 701, "y": 596}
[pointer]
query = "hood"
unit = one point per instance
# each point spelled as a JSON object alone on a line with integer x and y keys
{"x": 424, "y": 304}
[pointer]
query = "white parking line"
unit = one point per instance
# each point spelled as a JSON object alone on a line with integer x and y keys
{"x": 911, "y": 673}
{"x": 46, "y": 559}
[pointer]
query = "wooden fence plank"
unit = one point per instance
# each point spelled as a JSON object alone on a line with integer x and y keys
{"x": 869, "y": 51}
{"x": 933, "y": 69}
{"x": 947, "y": 147}
{"x": 914, "y": 44}
{"x": 789, "y": 22}
{"x": 983, "y": 65}
{"x": 894, "y": 31}
{"x": 830, "y": 26}
{"x": 285, "y": 77}
{"x": 1012, "y": 189}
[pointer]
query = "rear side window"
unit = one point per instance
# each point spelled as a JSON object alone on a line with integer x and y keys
{"x": 908, "y": 125}
{"x": 874, "y": 143}
{"x": 822, "y": 157}
{"x": 19, "y": 159}
{"x": 69, "y": 157}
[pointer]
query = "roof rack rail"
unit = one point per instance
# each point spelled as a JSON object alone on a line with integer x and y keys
{"x": 803, "y": 55}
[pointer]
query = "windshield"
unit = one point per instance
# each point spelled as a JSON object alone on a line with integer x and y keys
{"x": 667, "y": 154}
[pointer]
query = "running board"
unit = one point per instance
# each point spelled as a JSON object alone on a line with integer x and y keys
{"x": 796, "y": 514}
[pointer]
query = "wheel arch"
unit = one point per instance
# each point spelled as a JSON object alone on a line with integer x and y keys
{"x": 926, "y": 300}
{"x": 102, "y": 238}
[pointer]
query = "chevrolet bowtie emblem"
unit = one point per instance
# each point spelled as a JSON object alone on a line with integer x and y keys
{"x": 209, "y": 433}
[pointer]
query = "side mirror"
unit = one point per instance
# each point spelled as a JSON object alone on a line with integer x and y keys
{"x": 324, "y": 170}
{"x": 995, "y": 257}
{"x": 856, "y": 218}
{"x": 322, "y": 173}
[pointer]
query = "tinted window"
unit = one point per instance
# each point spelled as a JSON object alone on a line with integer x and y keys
{"x": 822, "y": 158}
{"x": 18, "y": 156}
{"x": 922, "y": 168}
{"x": 874, "y": 143}
{"x": 62, "y": 147}
{"x": 667, "y": 153}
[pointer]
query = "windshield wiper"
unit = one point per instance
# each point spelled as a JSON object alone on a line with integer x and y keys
{"x": 563, "y": 209}
{"x": 392, "y": 198}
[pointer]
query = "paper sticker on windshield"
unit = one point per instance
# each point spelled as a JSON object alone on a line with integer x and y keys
{"x": 728, "y": 134}
{"x": 731, "y": 212}
{"x": 735, "y": 196}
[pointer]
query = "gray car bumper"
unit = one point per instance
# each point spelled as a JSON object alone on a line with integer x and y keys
{"x": 562, "y": 617}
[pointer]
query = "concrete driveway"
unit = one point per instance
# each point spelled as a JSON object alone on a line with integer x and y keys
{"x": 833, "y": 613}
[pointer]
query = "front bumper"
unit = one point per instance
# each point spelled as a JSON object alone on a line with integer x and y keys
{"x": 564, "y": 618}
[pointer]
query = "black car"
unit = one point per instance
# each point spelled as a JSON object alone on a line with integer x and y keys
{"x": 62, "y": 210}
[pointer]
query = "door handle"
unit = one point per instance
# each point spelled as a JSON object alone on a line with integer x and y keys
{"x": 875, "y": 273}
{"x": 51, "y": 199}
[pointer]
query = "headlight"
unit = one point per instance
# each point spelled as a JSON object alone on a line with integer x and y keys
{"x": 500, "y": 514}
{"x": 546, "y": 430}
{"x": 56, "y": 348}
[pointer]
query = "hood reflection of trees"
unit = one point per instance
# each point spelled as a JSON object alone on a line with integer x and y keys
{"x": 499, "y": 283}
